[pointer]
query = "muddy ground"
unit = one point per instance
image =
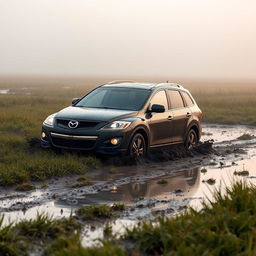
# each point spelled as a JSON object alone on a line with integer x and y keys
{"x": 155, "y": 187}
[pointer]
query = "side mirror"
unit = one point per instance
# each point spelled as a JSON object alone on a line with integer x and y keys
{"x": 75, "y": 100}
{"x": 157, "y": 108}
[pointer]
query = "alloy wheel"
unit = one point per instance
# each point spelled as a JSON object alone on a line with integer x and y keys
{"x": 137, "y": 147}
{"x": 191, "y": 140}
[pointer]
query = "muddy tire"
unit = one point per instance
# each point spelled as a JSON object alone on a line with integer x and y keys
{"x": 137, "y": 148}
{"x": 191, "y": 139}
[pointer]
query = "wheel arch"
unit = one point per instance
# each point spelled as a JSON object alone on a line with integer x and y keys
{"x": 143, "y": 131}
{"x": 196, "y": 128}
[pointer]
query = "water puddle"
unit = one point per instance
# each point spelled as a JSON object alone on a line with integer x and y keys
{"x": 4, "y": 91}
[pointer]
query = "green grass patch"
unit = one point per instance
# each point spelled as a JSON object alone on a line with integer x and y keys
{"x": 203, "y": 170}
{"x": 25, "y": 187}
{"x": 210, "y": 181}
{"x": 108, "y": 230}
{"x": 241, "y": 173}
{"x": 82, "y": 181}
{"x": 29, "y": 235}
{"x": 118, "y": 207}
{"x": 245, "y": 136}
{"x": 22, "y": 166}
{"x": 162, "y": 182}
{"x": 21, "y": 119}
{"x": 227, "y": 105}
{"x": 95, "y": 212}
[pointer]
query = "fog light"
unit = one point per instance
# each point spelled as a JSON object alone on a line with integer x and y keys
{"x": 43, "y": 135}
{"x": 114, "y": 141}
{"x": 114, "y": 189}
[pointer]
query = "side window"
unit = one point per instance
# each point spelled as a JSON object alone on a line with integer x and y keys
{"x": 159, "y": 98}
{"x": 176, "y": 100}
{"x": 187, "y": 98}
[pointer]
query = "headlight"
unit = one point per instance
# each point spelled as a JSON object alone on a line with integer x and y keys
{"x": 49, "y": 120}
{"x": 117, "y": 125}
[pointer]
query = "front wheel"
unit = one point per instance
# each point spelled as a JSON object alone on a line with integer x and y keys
{"x": 191, "y": 139}
{"x": 137, "y": 148}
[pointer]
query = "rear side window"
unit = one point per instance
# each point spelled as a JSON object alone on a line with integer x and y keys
{"x": 159, "y": 98}
{"x": 176, "y": 100}
{"x": 187, "y": 98}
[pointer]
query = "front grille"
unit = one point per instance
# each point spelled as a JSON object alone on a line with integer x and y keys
{"x": 76, "y": 144}
{"x": 63, "y": 123}
{"x": 73, "y": 141}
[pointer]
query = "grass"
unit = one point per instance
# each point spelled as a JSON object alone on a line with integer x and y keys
{"x": 118, "y": 207}
{"x": 162, "y": 182}
{"x": 25, "y": 187}
{"x": 245, "y": 136}
{"x": 213, "y": 163}
{"x": 96, "y": 212}
{"x": 82, "y": 181}
{"x": 227, "y": 105}
{"x": 21, "y": 166}
{"x": 47, "y": 228}
{"x": 29, "y": 235}
{"x": 18, "y": 164}
{"x": 21, "y": 118}
{"x": 11, "y": 243}
{"x": 203, "y": 170}
{"x": 241, "y": 173}
{"x": 210, "y": 181}
{"x": 107, "y": 230}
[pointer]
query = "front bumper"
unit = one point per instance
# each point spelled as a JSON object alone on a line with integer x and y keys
{"x": 86, "y": 140}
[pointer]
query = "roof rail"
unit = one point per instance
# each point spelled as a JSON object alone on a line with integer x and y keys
{"x": 121, "y": 81}
{"x": 171, "y": 84}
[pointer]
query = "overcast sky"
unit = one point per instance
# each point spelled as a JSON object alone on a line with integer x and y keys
{"x": 184, "y": 38}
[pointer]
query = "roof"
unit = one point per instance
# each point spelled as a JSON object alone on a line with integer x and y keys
{"x": 139, "y": 85}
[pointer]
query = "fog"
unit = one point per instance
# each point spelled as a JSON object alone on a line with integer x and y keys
{"x": 174, "y": 38}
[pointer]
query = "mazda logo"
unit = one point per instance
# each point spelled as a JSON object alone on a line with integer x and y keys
{"x": 73, "y": 124}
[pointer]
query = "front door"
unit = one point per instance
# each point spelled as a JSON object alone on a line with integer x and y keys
{"x": 159, "y": 123}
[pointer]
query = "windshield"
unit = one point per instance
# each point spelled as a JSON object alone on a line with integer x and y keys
{"x": 115, "y": 98}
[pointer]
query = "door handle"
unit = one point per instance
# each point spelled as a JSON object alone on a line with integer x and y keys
{"x": 170, "y": 118}
{"x": 188, "y": 114}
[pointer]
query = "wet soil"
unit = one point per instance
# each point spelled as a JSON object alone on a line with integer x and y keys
{"x": 166, "y": 184}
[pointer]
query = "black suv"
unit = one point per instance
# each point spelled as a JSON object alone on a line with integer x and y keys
{"x": 126, "y": 117}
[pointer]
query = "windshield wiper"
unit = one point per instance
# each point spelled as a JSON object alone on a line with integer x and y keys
{"x": 96, "y": 107}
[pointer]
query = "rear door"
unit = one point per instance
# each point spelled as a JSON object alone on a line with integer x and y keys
{"x": 159, "y": 123}
{"x": 180, "y": 116}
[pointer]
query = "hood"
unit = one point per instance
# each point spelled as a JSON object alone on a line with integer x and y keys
{"x": 94, "y": 114}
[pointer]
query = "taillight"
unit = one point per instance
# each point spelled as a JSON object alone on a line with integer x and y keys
{"x": 200, "y": 115}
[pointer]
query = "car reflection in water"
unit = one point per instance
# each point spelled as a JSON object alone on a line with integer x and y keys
{"x": 186, "y": 182}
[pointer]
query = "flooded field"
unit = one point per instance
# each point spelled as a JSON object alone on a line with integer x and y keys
{"x": 148, "y": 190}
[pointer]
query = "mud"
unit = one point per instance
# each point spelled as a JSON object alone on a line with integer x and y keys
{"x": 166, "y": 184}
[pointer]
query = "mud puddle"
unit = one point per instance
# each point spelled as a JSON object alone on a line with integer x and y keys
{"x": 148, "y": 190}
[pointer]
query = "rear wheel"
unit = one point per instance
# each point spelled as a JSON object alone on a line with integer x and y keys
{"x": 137, "y": 148}
{"x": 191, "y": 140}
